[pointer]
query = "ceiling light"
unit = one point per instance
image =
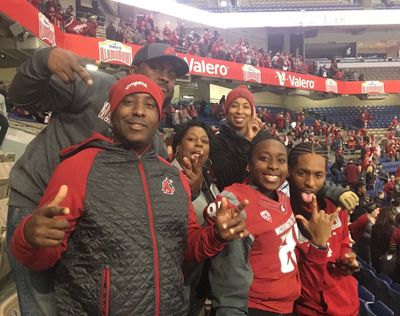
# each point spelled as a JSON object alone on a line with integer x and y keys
{"x": 92, "y": 67}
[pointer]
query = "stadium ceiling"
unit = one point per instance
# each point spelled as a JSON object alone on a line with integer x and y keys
{"x": 269, "y": 19}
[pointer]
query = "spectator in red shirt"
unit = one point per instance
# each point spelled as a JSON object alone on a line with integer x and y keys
{"x": 351, "y": 172}
{"x": 92, "y": 26}
{"x": 325, "y": 263}
{"x": 361, "y": 231}
{"x": 394, "y": 246}
{"x": 397, "y": 174}
{"x": 288, "y": 119}
{"x": 388, "y": 188}
{"x": 365, "y": 118}
{"x": 394, "y": 121}
{"x": 339, "y": 75}
{"x": 280, "y": 121}
{"x": 317, "y": 127}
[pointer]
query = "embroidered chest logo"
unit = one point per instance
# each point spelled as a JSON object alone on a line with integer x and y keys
{"x": 167, "y": 186}
{"x": 266, "y": 215}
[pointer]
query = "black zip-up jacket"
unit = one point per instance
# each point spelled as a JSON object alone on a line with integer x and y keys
{"x": 229, "y": 157}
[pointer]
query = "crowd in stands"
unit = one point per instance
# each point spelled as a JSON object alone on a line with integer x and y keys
{"x": 251, "y": 145}
{"x": 209, "y": 44}
{"x": 142, "y": 30}
{"x": 356, "y": 162}
{"x": 65, "y": 18}
{"x": 212, "y": 44}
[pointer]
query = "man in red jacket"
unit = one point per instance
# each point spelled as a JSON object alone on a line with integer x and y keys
{"x": 118, "y": 220}
{"x": 325, "y": 266}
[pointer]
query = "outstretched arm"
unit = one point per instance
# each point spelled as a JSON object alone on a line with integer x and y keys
{"x": 230, "y": 273}
{"x": 206, "y": 242}
{"x": 46, "y": 81}
{"x": 42, "y": 237}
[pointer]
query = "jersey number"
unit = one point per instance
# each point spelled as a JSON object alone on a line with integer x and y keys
{"x": 287, "y": 255}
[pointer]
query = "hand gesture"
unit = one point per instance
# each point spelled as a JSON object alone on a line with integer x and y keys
{"x": 253, "y": 127}
{"x": 44, "y": 229}
{"x": 320, "y": 224}
{"x": 348, "y": 264}
{"x": 65, "y": 65}
{"x": 229, "y": 222}
{"x": 193, "y": 170}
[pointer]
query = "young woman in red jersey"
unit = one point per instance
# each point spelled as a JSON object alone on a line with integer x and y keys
{"x": 258, "y": 275}
{"x": 325, "y": 264}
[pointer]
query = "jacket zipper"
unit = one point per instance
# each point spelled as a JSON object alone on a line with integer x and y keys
{"x": 105, "y": 292}
{"x": 153, "y": 237}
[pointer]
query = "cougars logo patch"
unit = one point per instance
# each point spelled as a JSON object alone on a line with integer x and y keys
{"x": 167, "y": 186}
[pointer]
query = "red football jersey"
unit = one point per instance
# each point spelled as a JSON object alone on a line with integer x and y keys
{"x": 272, "y": 257}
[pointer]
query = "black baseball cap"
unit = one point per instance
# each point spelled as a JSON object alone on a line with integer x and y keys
{"x": 164, "y": 51}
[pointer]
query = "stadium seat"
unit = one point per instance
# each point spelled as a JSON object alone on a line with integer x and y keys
{"x": 384, "y": 277}
{"x": 365, "y": 295}
{"x": 378, "y": 309}
{"x": 366, "y": 265}
{"x": 366, "y": 278}
{"x": 363, "y": 309}
{"x": 382, "y": 291}
{"x": 395, "y": 298}
{"x": 396, "y": 286}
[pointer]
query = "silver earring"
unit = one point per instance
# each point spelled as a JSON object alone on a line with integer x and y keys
{"x": 208, "y": 163}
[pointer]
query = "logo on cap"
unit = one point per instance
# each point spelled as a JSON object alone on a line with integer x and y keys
{"x": 135, "y": 84}
{"x": 169, "y": 51}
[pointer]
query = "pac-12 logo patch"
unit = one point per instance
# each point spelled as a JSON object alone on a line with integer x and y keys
{"x": 167, "y": 186}
{"x": 266, "y": 215}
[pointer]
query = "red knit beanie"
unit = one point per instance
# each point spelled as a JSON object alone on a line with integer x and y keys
{"x": 135, "y": 84}
{"x": 240, "y": 92}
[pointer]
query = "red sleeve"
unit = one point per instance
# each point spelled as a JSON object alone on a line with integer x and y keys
{"x": 73, "y": 173}
{"x": 313, "y": 263}
{"x": 312, "y": 269}
{"x": 395, "y": 239}
{"x": 201, "y": 241}
{"x": 358, "y": 226}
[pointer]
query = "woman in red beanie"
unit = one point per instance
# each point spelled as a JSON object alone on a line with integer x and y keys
{"x": 230, "y": 146}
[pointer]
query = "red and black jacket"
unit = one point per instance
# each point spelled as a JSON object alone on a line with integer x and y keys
{"x": 131, "y": 226}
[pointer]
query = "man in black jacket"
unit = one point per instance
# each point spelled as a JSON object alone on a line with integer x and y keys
{"x": 53, "y": 80}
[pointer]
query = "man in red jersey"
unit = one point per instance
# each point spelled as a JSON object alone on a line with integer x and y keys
{"x": 327, "y": 262}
